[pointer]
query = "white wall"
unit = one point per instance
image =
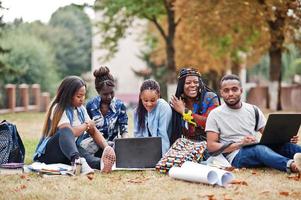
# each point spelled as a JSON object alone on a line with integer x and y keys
{"x": 124, "y": 61}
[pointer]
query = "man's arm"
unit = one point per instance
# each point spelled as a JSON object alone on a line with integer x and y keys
{"x": 213, "y": 143}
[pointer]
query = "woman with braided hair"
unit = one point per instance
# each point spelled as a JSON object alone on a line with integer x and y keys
{"x": 191, "y": 105}
{"x": 108, "y": 112}
{"x": 153, "y": 115}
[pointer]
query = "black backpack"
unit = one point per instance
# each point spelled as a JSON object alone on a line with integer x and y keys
{"x": 11, "y": 145}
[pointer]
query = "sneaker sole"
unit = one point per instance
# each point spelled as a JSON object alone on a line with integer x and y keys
{"x": 108, "y": 159}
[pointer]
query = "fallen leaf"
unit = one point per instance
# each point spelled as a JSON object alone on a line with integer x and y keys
{"x": 295, "y": 177}
{"x": 265, "y": 192}
{"x": 238, "y": 182}
{"x": 138, "y": 180}
{"x": 211, "y": 197}
{"x": 23, "y": 187}
{"x": 23, "y": 176}
{"x": 90, "y": 177}
{"x": 229, "y": 169}
{"x": 284, "y": 193}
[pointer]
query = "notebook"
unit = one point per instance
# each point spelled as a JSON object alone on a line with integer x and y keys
{"x": 280, "y": 128}
{"x": 137, "y": 153}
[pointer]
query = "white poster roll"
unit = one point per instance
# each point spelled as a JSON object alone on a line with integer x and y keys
{"x": 223, "y": 177}
{"x": 192, "y": 174}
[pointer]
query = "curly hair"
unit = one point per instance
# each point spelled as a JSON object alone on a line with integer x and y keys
{"x": 103, "y": 77}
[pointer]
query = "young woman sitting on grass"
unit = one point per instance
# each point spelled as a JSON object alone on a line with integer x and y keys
{"x": 66, "y": 120}
{"x": 153, "y": 114}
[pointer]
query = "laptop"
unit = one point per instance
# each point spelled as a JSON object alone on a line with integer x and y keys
{"x": 137, "y": 153}
{"x": 279, "y": 129}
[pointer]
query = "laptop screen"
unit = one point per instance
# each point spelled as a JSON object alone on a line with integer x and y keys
{"x": 138, "y": 152}
{"x": 280, "y": 128}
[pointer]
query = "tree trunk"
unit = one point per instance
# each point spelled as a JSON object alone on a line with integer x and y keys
{"x": 277, "y": 31}
{"x": 275, "y": 53}
{"x": 170, "y": 49}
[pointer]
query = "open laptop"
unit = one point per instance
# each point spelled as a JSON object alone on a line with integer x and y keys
{"x": 137, "y": 153}
{"x": 280, "y": 128}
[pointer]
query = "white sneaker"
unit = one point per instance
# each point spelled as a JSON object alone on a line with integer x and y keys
{"x": 297, "y": 160}
{"x": 76, "y": 167}
{"x": 85, "y": 168}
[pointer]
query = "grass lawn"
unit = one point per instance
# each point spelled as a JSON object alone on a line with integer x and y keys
{"x": 253, "y": 184}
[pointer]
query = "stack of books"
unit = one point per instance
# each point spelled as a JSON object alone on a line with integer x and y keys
{"x": 11, "y": 168}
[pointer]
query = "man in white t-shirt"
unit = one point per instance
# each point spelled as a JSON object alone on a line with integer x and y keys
{"x": 231, "y": 126}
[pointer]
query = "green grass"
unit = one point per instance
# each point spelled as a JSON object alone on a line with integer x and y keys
{"x": 30, "y": 146}
{"x": 258, "y": 183}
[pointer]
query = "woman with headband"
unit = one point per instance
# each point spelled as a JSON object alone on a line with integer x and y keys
{"x": 191, "y": 105}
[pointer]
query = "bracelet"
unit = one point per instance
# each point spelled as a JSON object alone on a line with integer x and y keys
{"x": 88, "y": 127}
{"x": 187, "y": 116}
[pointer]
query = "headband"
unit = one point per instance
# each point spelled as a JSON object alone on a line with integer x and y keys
{"x": 188, "y": 72}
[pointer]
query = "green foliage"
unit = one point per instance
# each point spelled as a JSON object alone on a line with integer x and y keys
{"x": 31, "y": 58}
{"x": 118, "y": 15}
{"x": 30, "y": 146}
{"x": 291, "y": 62}
{"x": 72, "y": 40}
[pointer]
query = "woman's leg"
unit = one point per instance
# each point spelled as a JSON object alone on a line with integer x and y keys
{"x": 92, "y": 160}
{"x": 61, "y": 148}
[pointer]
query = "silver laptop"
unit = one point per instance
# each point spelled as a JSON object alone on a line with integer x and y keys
{"x": 280, "y": 128}
{"x": 137, "y": 153}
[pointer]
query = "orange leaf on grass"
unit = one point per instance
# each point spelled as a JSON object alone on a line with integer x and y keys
{"x": 211, "y": 197}
{"x": 295, "y": 177}
{"x": 90, "y": 177}
{"x": 239, "y": 182}
{"x": 284, "y": 193}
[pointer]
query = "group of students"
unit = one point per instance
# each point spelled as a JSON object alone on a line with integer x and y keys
{"x": 84, "y": 136}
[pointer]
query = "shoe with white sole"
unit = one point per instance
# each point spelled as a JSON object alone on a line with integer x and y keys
{"x": 297, "y": 160}
{"x": 107, "y": 160}
{"x": 85, "y": 169}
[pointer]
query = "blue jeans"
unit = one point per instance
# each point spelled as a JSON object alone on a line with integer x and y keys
{"x": 275, "y": 157}
{"x": 61, "y": 148}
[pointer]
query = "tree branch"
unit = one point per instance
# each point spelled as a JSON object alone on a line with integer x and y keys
{"x": 158, "y": 26}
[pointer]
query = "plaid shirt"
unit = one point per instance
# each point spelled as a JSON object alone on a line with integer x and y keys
{"x": 116, "y": 120}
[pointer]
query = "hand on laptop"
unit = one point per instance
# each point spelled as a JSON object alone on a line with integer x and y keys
{"x": 295, "y": 139}
{"x": 249, "y": 139}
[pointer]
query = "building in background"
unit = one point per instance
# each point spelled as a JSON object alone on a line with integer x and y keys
{"x": 123, "y": 63}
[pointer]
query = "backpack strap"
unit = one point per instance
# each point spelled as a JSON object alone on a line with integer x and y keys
{"x": 256, "y": 117}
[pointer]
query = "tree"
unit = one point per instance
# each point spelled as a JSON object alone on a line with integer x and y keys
{"x": 31, "y": 57}
{"x": 283, "y": 20}
{"x": 72, "y": 39}
{"x": 120, "y": 14}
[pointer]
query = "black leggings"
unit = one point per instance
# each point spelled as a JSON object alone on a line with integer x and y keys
{"x": 61, "y": 148}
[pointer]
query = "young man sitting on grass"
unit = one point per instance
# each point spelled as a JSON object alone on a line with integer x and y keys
{"x": 233, "y": 124}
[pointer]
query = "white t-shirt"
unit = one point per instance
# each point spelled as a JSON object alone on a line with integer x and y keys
{"x": 233, "y": 125}
{"x": 76, "y": 121}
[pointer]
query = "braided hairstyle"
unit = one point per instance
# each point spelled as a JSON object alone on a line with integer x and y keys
{"x": 149, "y": 84}
{"x": 177, "y": 117}
{"x": 103, "y": 78}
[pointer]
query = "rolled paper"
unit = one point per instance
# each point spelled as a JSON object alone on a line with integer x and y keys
{"x": 193, "y": 174}
{"x": 223, "y": 177}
